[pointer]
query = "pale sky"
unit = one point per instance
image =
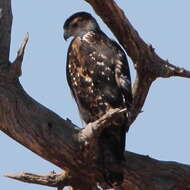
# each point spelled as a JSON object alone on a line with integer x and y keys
{"x": 162, "y": 131}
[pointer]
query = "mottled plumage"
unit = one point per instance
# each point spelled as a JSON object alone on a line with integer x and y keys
{"x": 99, "y": 78}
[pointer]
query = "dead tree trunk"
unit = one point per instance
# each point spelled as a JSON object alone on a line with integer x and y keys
{"x": 70, "y": 148}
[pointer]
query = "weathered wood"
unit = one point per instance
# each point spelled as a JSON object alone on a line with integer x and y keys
{"x": 141, "y": 172}
{"x": 52, "y": 179}
{"x": 64, "y": 144}
{"x": 147, "y": 63}
{"x": 5, "y": 29}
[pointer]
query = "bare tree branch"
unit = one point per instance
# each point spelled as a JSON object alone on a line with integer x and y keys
{"x": 141, "y": 173}
{"x": 17, "y": 64}
{"x": 37, "y": 128}
{"x": 143, "y": 55}
{"x": 52, "y": 180}
{"x": 147, "y": 63}
{"x": 5, "y": 29}
{"x": 94, "y": 129}
{"x": 59, "y": 180}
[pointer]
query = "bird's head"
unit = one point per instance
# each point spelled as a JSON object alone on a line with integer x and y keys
{"x": 79, "y": 24}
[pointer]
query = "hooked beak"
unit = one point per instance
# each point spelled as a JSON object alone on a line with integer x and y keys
{"x": 66, "y": 35}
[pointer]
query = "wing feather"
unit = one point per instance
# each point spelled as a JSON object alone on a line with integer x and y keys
{"x": 122, "y": 75}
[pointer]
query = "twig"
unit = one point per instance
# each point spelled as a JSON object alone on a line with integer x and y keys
{"x": 177, "y": 71}
{"x": 94, "y": 129}
{"x": 59, "y": 180}
{"x": 17, "y": 64}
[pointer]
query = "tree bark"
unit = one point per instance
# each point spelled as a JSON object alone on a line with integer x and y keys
{"x": 5, "y": 29}
{"x": 147, "y": 63}
{"x": 69, "y": 147}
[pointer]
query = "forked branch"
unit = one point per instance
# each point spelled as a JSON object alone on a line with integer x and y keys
{"x": 94, "y": 129}
{"x": 37, "y": 128}
{"x": 147, "y": 63}
{"x": 141, "y": 173}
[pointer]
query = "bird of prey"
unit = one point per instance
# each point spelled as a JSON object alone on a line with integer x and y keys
{"x": 99, "y": 78}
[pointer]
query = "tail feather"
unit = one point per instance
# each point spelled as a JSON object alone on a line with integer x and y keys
{"x": 112, "y": 147}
